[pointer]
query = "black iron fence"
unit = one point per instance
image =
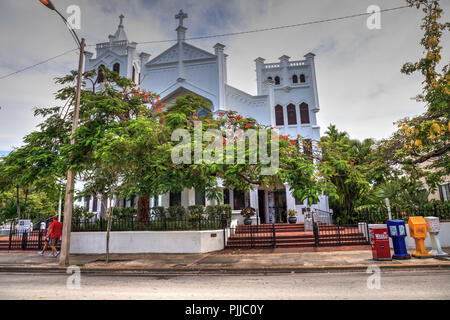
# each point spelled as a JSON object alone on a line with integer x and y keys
{"x": 252, "y": 236}
{"x": 155, "y": 224}
{"x": 23, "y": 240}
{"x": 382, "y": 215}
{"x": 341, "y": 234}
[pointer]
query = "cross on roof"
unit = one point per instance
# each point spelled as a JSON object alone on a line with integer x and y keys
{"x": 121, "y": 19}
{"x": 181, "y": 16}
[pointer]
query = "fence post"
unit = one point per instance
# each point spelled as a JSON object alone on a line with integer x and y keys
{"x": 24, "y": 240}
{"x": 224, "y": 227}
{"x": 435, "y": 210}
{"x": 274, "y": 236}
{"x": 367, "y": 227}
{"x": 164, "y": 223}
{"x": 40, "y": 239}
{"x": 339, "y": 233}
{"x": 10, "y": 239}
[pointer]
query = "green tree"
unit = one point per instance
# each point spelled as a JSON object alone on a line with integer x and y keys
{"x": 421, "y": 145}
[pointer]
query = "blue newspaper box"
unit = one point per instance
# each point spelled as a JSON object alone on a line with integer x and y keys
{"x": 397, "y": 231}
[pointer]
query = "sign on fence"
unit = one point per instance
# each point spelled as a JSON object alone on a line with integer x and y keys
{"x": 24, "y": 225}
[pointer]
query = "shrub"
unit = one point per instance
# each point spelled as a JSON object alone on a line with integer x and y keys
{"x": 218, "y": 210}
{"x": 158, "y": 212}
{"x": 196, "y": 210}
{"x": 124, "y": 213}
{"x": 176, "y": 212}
{"x": 80, "y": 213}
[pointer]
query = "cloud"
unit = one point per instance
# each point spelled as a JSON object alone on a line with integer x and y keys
{"x": 361, "y": 89}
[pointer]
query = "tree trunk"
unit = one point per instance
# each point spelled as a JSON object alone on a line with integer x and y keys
{"x": 25, "y": 203}
{"x": 18, "y": 203}
{"x": 108, "y": 229}
{"x": 143, "y": 209}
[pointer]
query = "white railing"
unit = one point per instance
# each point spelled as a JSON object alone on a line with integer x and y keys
{"x": 271, "y": 65}
{"x": 297, "y": 63}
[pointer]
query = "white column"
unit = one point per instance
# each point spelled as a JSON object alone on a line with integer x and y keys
{"x": 259, "y": 80}
{"x": 181, "y": 32}
{"x": 290, "y": 200}
{"x": 254, "y": 202}
{"x": 310, "y": 59}
{"x": 284, "y": 63}
{"x": 269, "y": 84}
{"x": 221, "y": 74}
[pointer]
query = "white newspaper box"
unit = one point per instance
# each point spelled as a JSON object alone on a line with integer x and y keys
{"x": 433, "y": 227}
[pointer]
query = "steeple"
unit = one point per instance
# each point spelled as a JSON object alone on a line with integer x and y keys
{"x": 120, "y": 34}
{"x": 181, "y": 30}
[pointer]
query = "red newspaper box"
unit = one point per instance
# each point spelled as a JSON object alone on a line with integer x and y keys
{"x": 379, "y": 240}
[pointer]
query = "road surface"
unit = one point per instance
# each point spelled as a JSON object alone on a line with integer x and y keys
{"x": 430, "y": 284}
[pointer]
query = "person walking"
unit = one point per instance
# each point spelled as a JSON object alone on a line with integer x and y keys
{"x": 54, "y": 233}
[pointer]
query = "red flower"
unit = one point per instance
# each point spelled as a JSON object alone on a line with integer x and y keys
{"x": 352, "y": 163}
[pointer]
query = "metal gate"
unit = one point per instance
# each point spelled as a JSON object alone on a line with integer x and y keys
{"x": 31, "y": 240}
{"x": 252, "y": 236}
{"x": 341, "y": 234}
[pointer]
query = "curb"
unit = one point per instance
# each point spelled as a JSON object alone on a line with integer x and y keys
{"x": 225, "y": 270}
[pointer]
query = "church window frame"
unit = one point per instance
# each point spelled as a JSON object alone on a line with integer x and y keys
{"x": 116, "y": 67}
{"x": 304, "y": 113}
{"x": 291, "y": 111}
{"x": 302, "y": 78}
{"x": 294, "y": 79}
{"x": 279, "y": 115}
{"x": 277, "y": 80}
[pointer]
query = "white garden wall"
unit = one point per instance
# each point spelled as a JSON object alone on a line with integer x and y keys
{"x": 147, "y": 242}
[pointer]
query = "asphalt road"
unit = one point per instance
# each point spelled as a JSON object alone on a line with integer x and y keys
{"x": 432, "y": 284}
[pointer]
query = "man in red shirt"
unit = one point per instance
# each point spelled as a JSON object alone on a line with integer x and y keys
{"x": 55, "y": 233}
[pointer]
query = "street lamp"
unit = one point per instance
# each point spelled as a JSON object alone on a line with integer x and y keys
{"x": 68, "y": 204}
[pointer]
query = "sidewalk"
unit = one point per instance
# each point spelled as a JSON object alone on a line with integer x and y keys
{"x": 217, "y": 262}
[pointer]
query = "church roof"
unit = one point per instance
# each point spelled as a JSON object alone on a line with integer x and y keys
{"x": 189, "y": 53}
{"x": 120, "y": 34}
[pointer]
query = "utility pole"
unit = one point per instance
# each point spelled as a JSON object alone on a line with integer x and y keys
{"x": 68, "y": 203}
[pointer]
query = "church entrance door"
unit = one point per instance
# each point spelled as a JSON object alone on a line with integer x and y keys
{"x": 278, "y": 207}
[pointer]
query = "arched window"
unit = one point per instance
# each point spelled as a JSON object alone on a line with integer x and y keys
{"x": 101, "y": 74}
{"x": 291, "y": 114}
{"x": 302, "y": 78}
{"x": 279, "y": 118}
{"x": 294, "y": 79}
{"x": 277, "y": 80}
{"x": 269, "y": 78}
{"x": 304, "y": 113}
{"x": 116, "y": 67}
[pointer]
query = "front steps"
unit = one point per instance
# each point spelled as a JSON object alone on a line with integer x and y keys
{"x": 286, "y": 235}
{"x": 293, "y": 236}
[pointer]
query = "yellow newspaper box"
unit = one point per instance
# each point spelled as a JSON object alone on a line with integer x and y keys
{"x": 418, "y": 231}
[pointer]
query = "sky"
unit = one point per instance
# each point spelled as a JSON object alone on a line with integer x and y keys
{"x": 360, "y": 86}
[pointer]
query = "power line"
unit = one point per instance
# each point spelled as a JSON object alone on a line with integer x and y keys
{"x": 222, "y": 35}
{"x": 277, "y": 28}
{"x": 37, "y": 64}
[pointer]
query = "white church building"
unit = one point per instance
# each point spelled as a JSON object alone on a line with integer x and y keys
{"x": 287, "y": 99}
